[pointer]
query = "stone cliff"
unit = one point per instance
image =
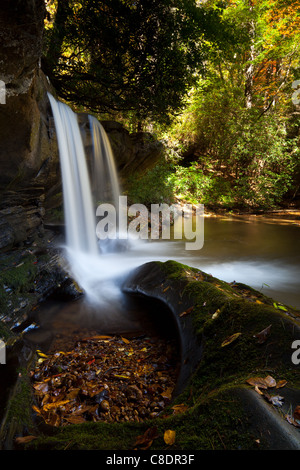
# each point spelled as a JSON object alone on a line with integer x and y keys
{"x": 30, "y": 180}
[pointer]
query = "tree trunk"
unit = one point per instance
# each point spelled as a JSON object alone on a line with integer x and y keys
{"x": 250, "y": 68}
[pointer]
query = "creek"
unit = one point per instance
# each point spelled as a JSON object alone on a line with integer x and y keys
{"x": 262, "y": 252}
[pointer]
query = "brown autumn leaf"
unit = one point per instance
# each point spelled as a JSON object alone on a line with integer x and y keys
{"x": 167, "y": 393}
{"x": 72, "y": 393}
{"x": 51, "y": 406}
{"x": 258, "y": 390}
{"x": 36, "y": 409}
{"x": 260, "y": 382}
{"x": 75, "y": 419}
{"x": 144, "y": 441}
{"x": 177, "y": 409}
{"x": 257, "y": 382}
{"x": 169, "y": 437}
{"x": 262, "y": 335}
{"x": 24, "y": 439}
{"x": 270, "y": 381}
{"x": 296, "y": 414}
{"x": 281, "y": 383}
{"x": 96, "y": 370}
{"x": 290, "y": 419}
{"x": 230, "y": 339}
{"x": 186, "y": 312}
{"x": 41, "y": 387}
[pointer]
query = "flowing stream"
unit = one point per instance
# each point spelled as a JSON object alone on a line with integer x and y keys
{"x": 259, "y": 251}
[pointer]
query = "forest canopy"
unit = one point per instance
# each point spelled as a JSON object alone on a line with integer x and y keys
{"x": 119, "y": 55}
{"x": 218, "y": 80}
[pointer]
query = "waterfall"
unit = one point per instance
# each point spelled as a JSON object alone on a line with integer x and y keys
{"x": 97, "y": 267}
{"x": 103, "y": 163}
{"x": 82, "y": 250}
{"x": 77, "y": 195}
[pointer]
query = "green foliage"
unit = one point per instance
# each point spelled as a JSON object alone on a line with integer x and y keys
{"x": 243, "y": 157}
{"x": 119, "y": 55}
{"x": 218, "y": 74}
{"x": 152, "y": 187}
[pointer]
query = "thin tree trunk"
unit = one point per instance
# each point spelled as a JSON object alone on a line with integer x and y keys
{"x": 249, "y": 75}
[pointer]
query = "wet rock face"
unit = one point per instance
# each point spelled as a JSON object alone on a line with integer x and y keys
{"x": 134, "y": 152}
{"x": 28, "y": 151}
{"x": 21, "y": 41}
{"x": 28, "y": 154}
{"x": 24, "y": 108}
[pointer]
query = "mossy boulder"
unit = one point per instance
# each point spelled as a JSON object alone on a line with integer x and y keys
{"x": 222, "y": 346}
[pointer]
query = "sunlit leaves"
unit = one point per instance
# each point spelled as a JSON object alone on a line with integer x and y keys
{"x": 105, "y": 378}
{"x": 119, "y": 55}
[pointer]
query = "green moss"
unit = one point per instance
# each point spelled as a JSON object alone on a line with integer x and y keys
{"x": 217, "y": 422}
{"x": 19, "y": 405}
{"x": 17, "y": 276}
{"x": 217, "y": 417}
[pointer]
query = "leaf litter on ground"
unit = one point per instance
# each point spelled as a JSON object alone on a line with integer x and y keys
{"x": 105, "y": 378}
{"x": 262, "y": 386}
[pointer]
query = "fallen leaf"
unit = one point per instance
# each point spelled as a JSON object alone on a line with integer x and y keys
{"x": 281, "y": 383}
{"x": 120, "y": 376}
{"x": 125, "y": 340}
{"x": 296, "y": 414}
{"x": 25, "y": 439}
{"x": 262, "y": 335}
{"x": 36, "y": 409}
{"x": 167, "y": 393}
{"x": 41, "y": 354}
{"x": 75, "y": 419}
{"x": 277, "y": 400}
{"x": 216, "y": 314}
{"x": 258, "y": 390}
{"x": 145, "y": 440}
{"x": 51, "y": 406}
{"x": 230, "y": 339}
{"x": 282, "y": 307}
{"x": 186, "y": 312}
{"x": 292, "y": 421}
{"x": 179, "y": 408}
{"x": 169, "y": 437}
{"x": 257, "y": 382}
{"x": 41, "y": 387}
{"x": 270, "y": 381}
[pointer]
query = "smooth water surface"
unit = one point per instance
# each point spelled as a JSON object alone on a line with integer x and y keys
{"x": 261, "y": 252}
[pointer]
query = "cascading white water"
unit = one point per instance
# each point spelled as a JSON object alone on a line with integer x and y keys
{"x": 103, "y": 163}
{"x": 78, "y": 205}
{"x": 98, "y": 271}
{"x": 95, "y": 272}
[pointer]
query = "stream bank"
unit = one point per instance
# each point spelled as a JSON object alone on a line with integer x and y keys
{"x": 222, "y": 346}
